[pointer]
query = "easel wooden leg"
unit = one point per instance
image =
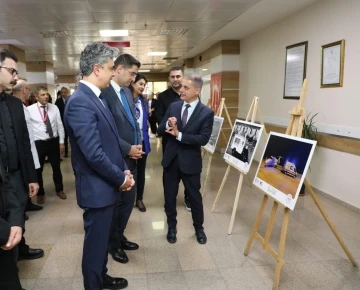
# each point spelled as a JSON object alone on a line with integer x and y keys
{"x": 256, "y": 225}
{"x": 207, "y": 175}
{"x": 280, "y": 261}
{"x": 270, "y": 225}
{"x": 236, "y": 202}
{"x": 221, "y": 188}
{"x": 330, "y": 224}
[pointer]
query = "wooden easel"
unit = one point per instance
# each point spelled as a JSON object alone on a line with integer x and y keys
{"x": 219, "y": 112}
{"x": 294, "y": 129}
{"x": 254, "y": 110}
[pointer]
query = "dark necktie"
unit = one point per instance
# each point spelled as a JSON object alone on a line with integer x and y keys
{"x": 128, "y": 113}
{"x": 49, "y": 130}
{"x": 185, "y": 115}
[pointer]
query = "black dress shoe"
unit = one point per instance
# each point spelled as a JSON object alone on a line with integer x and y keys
{"x": 127, "y": 245}
{"x": 201, "y": 237}
{"x": 33, "y": 207}
{"x": 140, "y": 205}
{"x": 119, "y": 256}
{"x": 26, "y": 217}
{"x": 32, "y": 254}
{"x": 114, "y": 283}
{"x": 171, "y": 235}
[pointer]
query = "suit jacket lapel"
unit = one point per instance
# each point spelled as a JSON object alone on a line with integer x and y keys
{"x": 193, "y": 116}
{"x": 104, "y": 111}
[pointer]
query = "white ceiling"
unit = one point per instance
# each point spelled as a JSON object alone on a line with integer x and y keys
{"x": 207, "y": 21}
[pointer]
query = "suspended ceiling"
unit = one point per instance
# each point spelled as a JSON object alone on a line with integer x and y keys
{"x": 195, "y": 25}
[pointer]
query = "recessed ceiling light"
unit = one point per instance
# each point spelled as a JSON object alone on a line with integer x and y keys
{"x": 114, "y": 33}
{"x": 157, "y": 53}
{"x": 143, "y": 70}
{"x": 205, "y": 69}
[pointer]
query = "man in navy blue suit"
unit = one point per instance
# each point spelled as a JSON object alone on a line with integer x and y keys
{"x": 189, "y": 124}
{"x": 100, "y": 171}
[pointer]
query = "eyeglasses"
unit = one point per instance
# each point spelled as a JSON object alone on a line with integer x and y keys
{"x": 13, "y": 71}
{"x": 133, "y": 74}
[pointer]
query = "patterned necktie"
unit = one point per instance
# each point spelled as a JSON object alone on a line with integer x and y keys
{"x": 128, "y": 113}
{"x": 137, "y": 104}
{"x": 185, "y": 115}
{"x": 49, "y": 130}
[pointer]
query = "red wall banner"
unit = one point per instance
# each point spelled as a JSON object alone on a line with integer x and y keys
{"x": 215, "y": 87}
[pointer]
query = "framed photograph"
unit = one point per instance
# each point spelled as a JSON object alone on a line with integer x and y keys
{"x": 295, "y": 70}
{"x": 242, "y": 145}
{"x": 332, "y": 64}
{"x": 283, "y": 166}
{"x": 211, "y": 145}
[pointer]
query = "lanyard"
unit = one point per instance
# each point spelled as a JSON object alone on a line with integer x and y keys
{"x": 46, "y": 113}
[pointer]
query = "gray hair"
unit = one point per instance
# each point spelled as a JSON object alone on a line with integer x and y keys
{"x": 96, "y": 53}
{"x": 196, "y": 79}
{"x": 20, "y": 85}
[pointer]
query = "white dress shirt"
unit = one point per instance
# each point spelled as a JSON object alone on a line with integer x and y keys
{"x": 53, "y": 113}
{"x": 31, "y": 137}
{"x": 117, "y": 89}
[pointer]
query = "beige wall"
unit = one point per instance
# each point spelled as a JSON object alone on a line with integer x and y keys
{"x": 262, "y": 63}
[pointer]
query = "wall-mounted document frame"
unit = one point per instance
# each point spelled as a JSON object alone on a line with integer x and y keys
{"x": 295, "y": 69}
{"x": 332, "y": 64}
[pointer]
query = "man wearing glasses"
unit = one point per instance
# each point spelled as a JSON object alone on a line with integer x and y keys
{"x": 121, "y": 104}
{"x": 15, "y": 149}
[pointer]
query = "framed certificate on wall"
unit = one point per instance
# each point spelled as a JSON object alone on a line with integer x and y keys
{"x": 332, "y": 64}
{"x": 295, "y": 70}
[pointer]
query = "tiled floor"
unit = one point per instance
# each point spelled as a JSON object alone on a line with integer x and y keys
{"x": 314, "y": 259}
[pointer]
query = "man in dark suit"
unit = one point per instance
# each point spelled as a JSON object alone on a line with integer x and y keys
{"x": 60, "y": 103}
{"x": 189, "y": 126}
{"x": 11, "y": 220}
{"x": 121, "y": 104}
{"x": 164, "y": 100}
{"x": 100, "y": 171}
{"x": 15, "y": 146}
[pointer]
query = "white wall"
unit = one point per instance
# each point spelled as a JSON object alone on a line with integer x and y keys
{"x": 262, "y": 69}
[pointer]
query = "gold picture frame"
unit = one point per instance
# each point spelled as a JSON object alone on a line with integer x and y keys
{"x": 332, "y": 64}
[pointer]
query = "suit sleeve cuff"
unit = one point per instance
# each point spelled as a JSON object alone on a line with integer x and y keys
{"x": 179, "y": 136}
{"x": 124, "y": 181}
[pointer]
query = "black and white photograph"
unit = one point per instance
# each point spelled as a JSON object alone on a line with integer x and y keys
{"x": 283, "y": 166}
{"x": 242, "y": 144}
{"x": 211, "y": 145}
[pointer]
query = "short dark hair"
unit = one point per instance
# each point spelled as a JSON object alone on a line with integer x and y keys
{"x": 174, "y": 68}
{"x": 5, "y": 53}
{"x": 126, "y": 60}
{"x": 39, "y": 88}
{"x": 137, "y": 78}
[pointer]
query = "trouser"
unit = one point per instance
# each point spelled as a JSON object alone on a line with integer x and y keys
{"x": 171, "y": 177}
{"x": 122, "y": 212}
{"x": 163, "y": 143}
{"x": 97, "y": 223}
{"x": 140, "y": 180}
{"x": 50, "y": 148}
{"x": 66, "y": 143}
{"x": 9, "y": 278}
{"x": 17, "y": 182}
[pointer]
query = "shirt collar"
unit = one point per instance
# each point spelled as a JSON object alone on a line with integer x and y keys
{"x": 193, "y": 104}
{"x": 94, "y": 88}
{"x": 116, "y": 87}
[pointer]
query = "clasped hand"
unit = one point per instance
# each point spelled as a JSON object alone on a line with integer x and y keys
{"x": 173, "y": 129}
{"x": 136, "y": 152}
{"x": 129, "y": 183}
